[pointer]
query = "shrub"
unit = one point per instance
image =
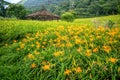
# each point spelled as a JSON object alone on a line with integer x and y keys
{"x": 1, "y": 18}
{"x": 110, "y": 23}
{"x": 8, "y": 19}
{"x": 69, "y": 17}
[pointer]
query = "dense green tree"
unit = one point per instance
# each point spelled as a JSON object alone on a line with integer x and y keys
{"x": 2, "y": 7}
{"x": 15, "y": 10}
{"x": 118, "y": 6}
{"x": 91, "y": 8}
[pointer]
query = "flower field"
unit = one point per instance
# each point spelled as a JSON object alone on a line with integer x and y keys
{"x": 67, "y": 51}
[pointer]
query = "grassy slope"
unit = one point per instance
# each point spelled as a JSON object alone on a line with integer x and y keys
{"x": 12, "y": 65}
{"x": 13, "y": 29}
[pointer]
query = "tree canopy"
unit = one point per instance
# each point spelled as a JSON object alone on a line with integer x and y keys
{"x": 2, "y": 7}
{"x": 16, "y": 10}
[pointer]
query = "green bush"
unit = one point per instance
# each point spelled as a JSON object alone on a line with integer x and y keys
{"x": 1, "y": 18}
{"x": 110, "y": 23}
{"x": 8, "y": 19}
{"x": 69, "y": 17}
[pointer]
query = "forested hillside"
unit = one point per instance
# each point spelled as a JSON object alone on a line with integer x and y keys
{"x": 82, "y": 8}
{"x": 35, "y": 5}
